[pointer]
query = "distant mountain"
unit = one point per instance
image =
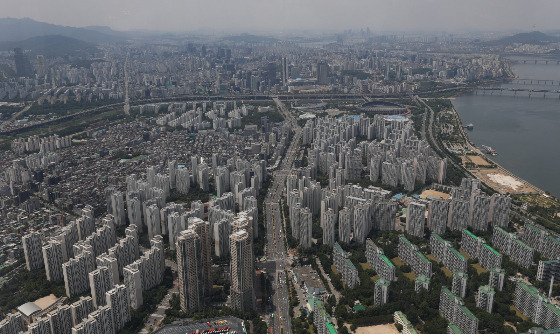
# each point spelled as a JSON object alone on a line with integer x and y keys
{"x": 248, "y": 38}
{"x": 22, "y": 29}
{"x": 535, "y": 37}
{"x": 51, "y": 46}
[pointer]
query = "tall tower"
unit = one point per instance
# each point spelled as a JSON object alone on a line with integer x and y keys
{"x": 202, "y": 228}
{"x": 23, "y": 66}
{"x": 32, "y": 249}
{"x": 322, "y": 73}
{"x": 284, "y": 71}
{"x": 242, "y": 293}
{"x": 189, "y": 262}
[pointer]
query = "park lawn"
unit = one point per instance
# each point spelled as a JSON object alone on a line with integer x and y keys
{"x": 365, "y": 266}
{"x": 432, "y": 258}
{"x": 479, "y": 269}
{"x": 447, "y": 272}
{"x": 397, "y": 261}
{"x": 518, "y": 313}
{"x": 334, "y": 269}
{"x": 411, "y": 276}
{"x": 375, "y": 278}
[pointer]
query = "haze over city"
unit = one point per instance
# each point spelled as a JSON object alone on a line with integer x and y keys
{"x": 289, "y": 15}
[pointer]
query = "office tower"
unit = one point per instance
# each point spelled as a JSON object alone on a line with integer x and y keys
{"x": 119, "y": 302}
{"x": 100, "y": 281}
{"x": 381, "y": 292}
{"x": 437, "y": 215}
{"x": 133, "y": 283}
{"x": 81, "y": 308}
{"x": 322, "y": 73}
{"x": 75, "y": 271}
{"x": 459, "y": 284}
{"x": 53, "y": 259}
{"x": 329, "y": 227}
{"x": 202, "y": 228}
{"x": 410, "y": 255}
{"x": 379, "y": 262}
{"x": 23, "y": 66}
{"x": 222, "y": 230}
{"x": 242, "y": 293}
{"x": 189, "y": 267}
{"x": 454, "y": 310}
{"x": 444, "y": 252}
{"x": 485, "y": 298}
{"x": 345, "y": 267}
{"x": 422, "y": 282}
{"x": 415, "y": 217}
{"x": 40, "y": 326}
{"x": 103, "y": 319}
{"x": 516, "y": 249}
{"x": 478, "y": 213}
{"x": 153, "y": 220}
{"x": 285, "y": 70}
{"x": 32, "y": 248}
{"x": 458, "y": 215}
{"x": 60, "y": 320}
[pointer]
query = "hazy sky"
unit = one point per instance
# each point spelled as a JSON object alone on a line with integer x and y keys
{"x": 285, "y": 15}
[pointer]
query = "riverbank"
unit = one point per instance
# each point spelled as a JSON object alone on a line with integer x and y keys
{"x": 497, "y": 177}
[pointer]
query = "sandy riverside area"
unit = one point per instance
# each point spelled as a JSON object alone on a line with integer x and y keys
{"x": 503, "y": 181}
{"x": 379, "y": 329}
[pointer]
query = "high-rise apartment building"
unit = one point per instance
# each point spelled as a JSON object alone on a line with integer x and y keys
{"x": 242, "y": 293}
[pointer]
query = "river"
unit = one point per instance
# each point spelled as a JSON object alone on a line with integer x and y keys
{"x": 525, "y": 132}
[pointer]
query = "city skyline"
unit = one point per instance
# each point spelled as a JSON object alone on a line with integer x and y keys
{"x": 291, "y": 15}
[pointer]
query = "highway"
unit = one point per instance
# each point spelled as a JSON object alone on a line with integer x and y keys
{"x": 277, "y": 257}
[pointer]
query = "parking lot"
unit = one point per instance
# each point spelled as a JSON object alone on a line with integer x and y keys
{"x": 235, "y": 325}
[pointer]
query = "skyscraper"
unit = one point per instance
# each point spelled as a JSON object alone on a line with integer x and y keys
{"x": 23, "y": 66}
{"x": 53, "y": 259}
{"x": 32, "y": 245}
{"x": 202, "y": 228}
{"x": 100, "y": 281}
{"x": 284, "y": 71}
{"x": 242, "y": 293}
{"x": 119, "y": 302}
{"x": 322, "y": 73}
{"x": 189, "y": 263}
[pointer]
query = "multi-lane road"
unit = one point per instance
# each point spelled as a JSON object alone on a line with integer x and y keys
{"x": 277, "y": 254}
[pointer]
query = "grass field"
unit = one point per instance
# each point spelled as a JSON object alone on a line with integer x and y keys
{"x": 334, "y": 269}
{"x": 375, "y": 278}
{"x": 479, "y": 269}
{"x": 464, "y": 254}
{"x": 397, "y": 262}
{"x": 365, "y": 266}
{"x": 518, "y": 313}
{"x": 411, "y": 276}
{"x": 432, "y": 258}
{"x": 447, "y": 272}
